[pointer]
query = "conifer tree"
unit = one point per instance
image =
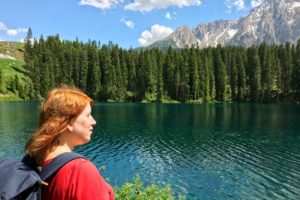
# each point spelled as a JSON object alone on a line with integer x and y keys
{"x": 220, "y": 75}
{"x": 286, "y": 66}
{"x": 194, "y": 74}
{"x": 119, "y": 81}
{"x": 241, "y": 78}
{"x": 28, "y": 47}
{"x": 233, "y": 72}
{"x": 124, "y": 73}
{"x": 108, "y": 74}
{"x": 93, "y": 76}
{"x": 160, "y": 83}
{"x": 141, "y": 76}
{"x": 211, "y": 72}
{"x": 76, "y": 67}
{"x": 131, "y": 67}
{"x": 266, "y": 71}
{"x": 185, "y": 77}
{"x": 256, "y": 84}
{"x": 206, "y": 76}
{"x": 152, "y": 71}
{"x": 177, "y": 79}
{"x": 168, "y": 72}
{"x": 296, "y": 71}
{"x": 83, "y": 72}
{"x": 202, "y": 78}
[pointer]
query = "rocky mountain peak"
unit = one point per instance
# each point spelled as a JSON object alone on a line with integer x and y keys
{"x": 274, "y": 21}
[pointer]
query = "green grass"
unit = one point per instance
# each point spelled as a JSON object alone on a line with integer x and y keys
{"x": 13, "y": 49}
{"x": 10, "y": 68}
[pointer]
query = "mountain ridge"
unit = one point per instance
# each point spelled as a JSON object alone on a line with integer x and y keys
{"x": 272, "y": 22}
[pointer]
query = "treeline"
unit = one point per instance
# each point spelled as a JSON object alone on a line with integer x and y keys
{"x": 108, "y": 72}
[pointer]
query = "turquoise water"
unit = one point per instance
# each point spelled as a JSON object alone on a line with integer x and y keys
{"x": 212, "y": 151}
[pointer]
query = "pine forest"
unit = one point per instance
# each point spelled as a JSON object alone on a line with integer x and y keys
{"x": 264, "y": 73}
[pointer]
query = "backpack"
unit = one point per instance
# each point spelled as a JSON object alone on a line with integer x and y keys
{"x": 23, "y": 179}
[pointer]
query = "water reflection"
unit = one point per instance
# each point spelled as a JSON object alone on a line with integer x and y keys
{"x": 211, "y": 151}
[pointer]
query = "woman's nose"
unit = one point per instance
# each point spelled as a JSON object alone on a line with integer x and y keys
{"x": 93, "y": 121}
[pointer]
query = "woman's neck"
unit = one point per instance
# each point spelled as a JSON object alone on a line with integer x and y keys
{"x": 57, "y": 150}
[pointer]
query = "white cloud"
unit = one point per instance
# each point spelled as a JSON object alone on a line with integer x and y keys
{"x": 168, "y": 16}
{"x": 128, "y": 23}
{"x": 147, "y": 6}
{"x": 255, "y": 3}
{"x": 157, "y": 32}
{"x": 101, "y": 4}
{"x": 3, "y": 26}
{"x": 12, "y": 32}
{"x": 234, "y": 4}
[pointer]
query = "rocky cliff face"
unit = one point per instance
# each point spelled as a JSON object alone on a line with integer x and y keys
{"x": 274, "y": 21}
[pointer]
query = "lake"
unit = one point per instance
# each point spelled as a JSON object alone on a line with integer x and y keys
{"x": 209, "y": 151}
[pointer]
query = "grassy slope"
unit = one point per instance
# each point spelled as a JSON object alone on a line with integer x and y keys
{"x": 14, "y": 49}
{"x": 11, "y": 67}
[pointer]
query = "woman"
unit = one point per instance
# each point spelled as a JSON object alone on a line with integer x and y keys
{"x": 66, "y": 122}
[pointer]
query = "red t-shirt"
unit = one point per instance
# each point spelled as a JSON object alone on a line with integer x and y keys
{"x": 77, "y": 180}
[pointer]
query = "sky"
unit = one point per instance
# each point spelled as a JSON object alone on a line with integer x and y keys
{"x": 128, "y": 23}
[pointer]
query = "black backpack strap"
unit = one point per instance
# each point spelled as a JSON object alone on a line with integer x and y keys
{"x": 57, "y": 163}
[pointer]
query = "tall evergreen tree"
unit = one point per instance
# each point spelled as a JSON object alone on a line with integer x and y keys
{"x": 286, "y": 66}
{"x": 296, "y": 72}
{"x": 233, "y": 73}
{"x": 93, "y": 76}
{"x": 184, "y": 92}
{"x": 76, "y": 67}
{"x": 266, "y": 71}
{"x": 169, "y": 71}
{"x": 194, "y": 74}
{"x": 220, "y": 75}
{"x": 124, "y": 73}
{"x": 211, "y": 72}
{"x": 28, "y": 47}
{"x": 255, "y": 85}
{"x": 241, "y": 78}
{"x": 160, "y": 82}
{"x": 206, "y": 77}
{"x": 142, "y": 81}
{"x": 108, "y": 75}
{"x": 119, "y": 81}
{"x": 131, "y": 68}
{"x": 83, "y": 72}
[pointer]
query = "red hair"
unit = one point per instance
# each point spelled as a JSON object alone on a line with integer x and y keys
{"x": 60, "y": 108}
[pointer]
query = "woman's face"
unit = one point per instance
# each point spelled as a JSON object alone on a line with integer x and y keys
{"x": 82, "y": 127}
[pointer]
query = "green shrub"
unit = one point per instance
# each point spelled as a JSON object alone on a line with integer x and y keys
{"x": 136, "y": 191}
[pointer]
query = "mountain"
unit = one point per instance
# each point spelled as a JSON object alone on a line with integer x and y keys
{"x": 274, "y": 21}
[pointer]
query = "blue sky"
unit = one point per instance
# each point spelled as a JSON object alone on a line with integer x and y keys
{"x": 128, "y": 23}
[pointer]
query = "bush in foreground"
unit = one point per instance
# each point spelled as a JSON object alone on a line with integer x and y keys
{"x": 136, "y": 191}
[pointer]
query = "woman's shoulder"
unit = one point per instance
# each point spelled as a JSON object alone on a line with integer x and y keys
{"x": 80, "y": 164}
{"x": 77, "y": 169}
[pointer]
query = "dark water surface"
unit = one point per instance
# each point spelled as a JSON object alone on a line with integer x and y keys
{"x": 213, "y": 151}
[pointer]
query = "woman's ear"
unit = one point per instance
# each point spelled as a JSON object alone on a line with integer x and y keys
{"x": 70, "y": 128}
